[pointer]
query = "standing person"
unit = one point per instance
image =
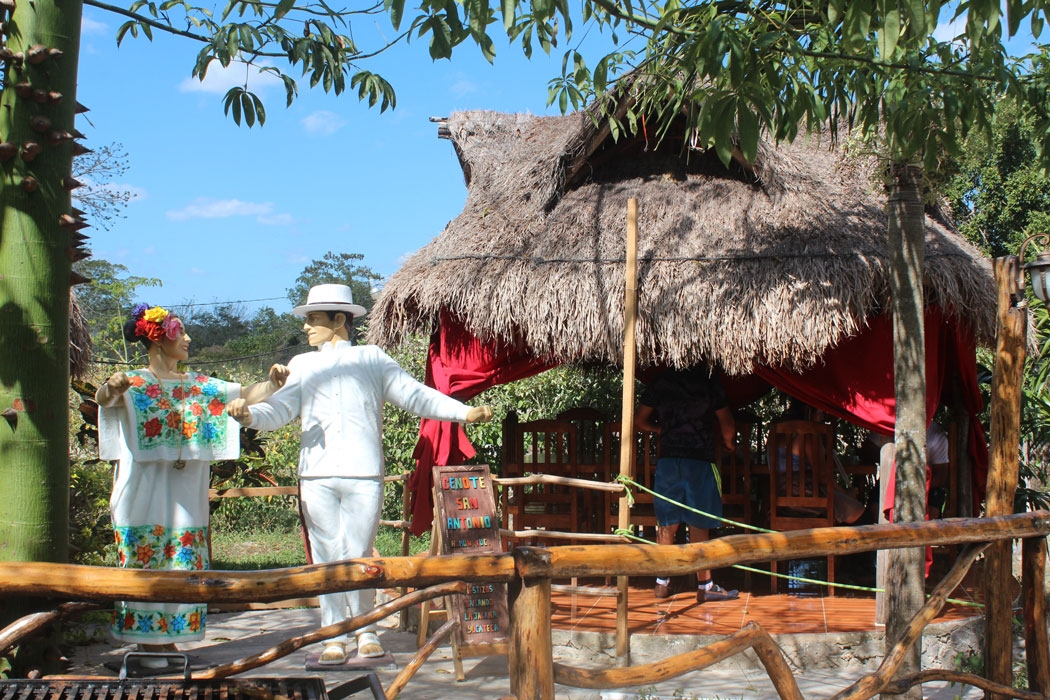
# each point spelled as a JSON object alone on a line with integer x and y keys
{"x": 164, "y": 427}
{"x": 339, "y": 394}
{"x": 681, "y": 406}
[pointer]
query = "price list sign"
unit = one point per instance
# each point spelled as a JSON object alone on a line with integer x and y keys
{"x": 466, "y": 515}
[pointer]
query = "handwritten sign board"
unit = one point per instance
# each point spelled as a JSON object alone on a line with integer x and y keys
{"x": 466, "y": 520}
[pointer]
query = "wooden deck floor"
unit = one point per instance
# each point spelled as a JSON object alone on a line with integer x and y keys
{"x": 784, "y": 613}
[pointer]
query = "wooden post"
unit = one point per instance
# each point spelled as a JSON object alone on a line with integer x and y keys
{"x": 531, "y": 649}
{"x": 1007, "y": 376}
{"x": 630, "y": 314}
{"x": 1037, "y": 649}
{"x": 881, "y": 557}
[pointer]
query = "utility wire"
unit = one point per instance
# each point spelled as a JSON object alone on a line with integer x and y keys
{"x": 143, "y": 358}
{"x": 225, "y": 303}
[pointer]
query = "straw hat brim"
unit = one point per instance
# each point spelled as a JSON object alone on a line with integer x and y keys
{"x": 354, "y": 309}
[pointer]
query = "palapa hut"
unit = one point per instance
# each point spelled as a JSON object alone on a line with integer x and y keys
{"x": 777, "y": 270}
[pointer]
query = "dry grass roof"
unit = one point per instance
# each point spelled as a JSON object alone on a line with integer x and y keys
{"x": 770, "y": 264}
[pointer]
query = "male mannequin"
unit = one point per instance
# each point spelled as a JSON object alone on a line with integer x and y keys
{"x": 339, "y": 393}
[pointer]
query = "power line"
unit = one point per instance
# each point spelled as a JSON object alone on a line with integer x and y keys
{"x": 143, "y": 358}
{"x": 226, "y": 303}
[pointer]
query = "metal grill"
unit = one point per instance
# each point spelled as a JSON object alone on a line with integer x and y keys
{"x": 156, "y": 689}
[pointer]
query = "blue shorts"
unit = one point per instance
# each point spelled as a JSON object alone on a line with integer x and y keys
{"x": 691, "y": 482}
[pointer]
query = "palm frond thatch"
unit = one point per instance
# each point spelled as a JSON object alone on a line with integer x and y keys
{"x": 772, "y": 262}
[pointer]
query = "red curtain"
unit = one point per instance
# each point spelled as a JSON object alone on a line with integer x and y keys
{"x": 460, "y": 365}
{"x": 853, "y": 381}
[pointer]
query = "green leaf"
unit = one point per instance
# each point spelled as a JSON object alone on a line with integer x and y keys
{"x": 290, "y": 89}
{"x": 282, "y": 8}
{"x": 747, "y": 127}
{"x": 888, "y": 34}
{"x": 248, "y": 109}
{"x": 124, "y": 30}
{"x": 396, "y": 10}
{"x": 507, "y": 9}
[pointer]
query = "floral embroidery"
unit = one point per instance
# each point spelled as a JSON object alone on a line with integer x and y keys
{"x": 175, "y": 414}
{"x": 159, "y": 547}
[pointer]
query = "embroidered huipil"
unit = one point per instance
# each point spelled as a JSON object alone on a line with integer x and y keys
{"x": 160, "y": 513}
{"x": 339, "y": 393}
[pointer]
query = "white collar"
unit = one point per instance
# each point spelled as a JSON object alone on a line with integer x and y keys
{"x": 336, "y": 345}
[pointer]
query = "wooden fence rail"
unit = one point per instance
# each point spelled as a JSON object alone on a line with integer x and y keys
{"x": 529, "y": 571}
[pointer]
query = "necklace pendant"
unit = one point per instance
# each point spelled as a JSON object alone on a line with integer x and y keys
{"x": 180, "y": 464}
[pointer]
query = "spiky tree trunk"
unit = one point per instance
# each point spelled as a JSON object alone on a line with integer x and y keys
{"x": 38, "y": 240}
{"x": 907, "y": 236}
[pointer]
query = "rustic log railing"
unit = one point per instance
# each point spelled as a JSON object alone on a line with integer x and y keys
{"x": 528, "y": 572}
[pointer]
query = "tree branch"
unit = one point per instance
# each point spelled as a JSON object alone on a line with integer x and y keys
{"x": 151, "y": 22}
{"x": 653, "y": 25}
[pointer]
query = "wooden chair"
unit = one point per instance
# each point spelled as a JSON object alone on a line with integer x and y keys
{"x": 590, "y": 463}
{"x": 539, "y": 447}
{"x": 802, "y": 491}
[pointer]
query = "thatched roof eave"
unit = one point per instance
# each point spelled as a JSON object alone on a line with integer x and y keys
{"x": 731, "y": 271}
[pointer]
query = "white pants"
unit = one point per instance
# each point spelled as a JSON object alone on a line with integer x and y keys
{"x": 342, "y": 516}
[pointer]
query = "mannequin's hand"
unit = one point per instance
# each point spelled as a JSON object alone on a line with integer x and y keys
{"x": 479, "y": 414}
{"x": 118, "y": 383}
{"x": 109, "y": 393}
{"x": 238, "y": 410}
{"x": 278, "y": 375}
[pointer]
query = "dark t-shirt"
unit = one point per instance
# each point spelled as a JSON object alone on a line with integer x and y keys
{"x": 685, "y": 402}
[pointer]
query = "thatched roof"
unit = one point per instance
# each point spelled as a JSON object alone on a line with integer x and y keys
{"x": 772, "y": 262}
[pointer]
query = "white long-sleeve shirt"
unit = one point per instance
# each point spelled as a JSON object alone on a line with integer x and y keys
{"x": 339, "y": 393}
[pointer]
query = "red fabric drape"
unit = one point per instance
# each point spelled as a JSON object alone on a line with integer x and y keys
{"x": 853, "y": 381}
{"x": 460, "y": 365}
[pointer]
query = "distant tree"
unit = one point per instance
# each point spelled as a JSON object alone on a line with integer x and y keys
{"x": 341, "y": 268}
{"x": 1001, "y": 195}
{"x": 215, "y": 327}
{"x": 100, "y": 197}
{"x": 106, "y": 302}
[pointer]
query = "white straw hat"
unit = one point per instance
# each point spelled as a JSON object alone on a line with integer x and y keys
{"x": 329, "y": 297}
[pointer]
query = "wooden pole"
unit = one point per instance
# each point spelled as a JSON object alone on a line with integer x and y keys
{"x": 531, "y": 650}
{"x": 630, "y": 315}
{"x": 1003, "y": 465}
{"x": 1037, "y": 649}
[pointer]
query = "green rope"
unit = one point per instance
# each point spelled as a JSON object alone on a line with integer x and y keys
{"x": 628, "y": 481}
{"x": 629, "y": 533}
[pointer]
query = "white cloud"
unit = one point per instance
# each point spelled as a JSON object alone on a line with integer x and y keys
{"x": 463, "y": 87}
{"x": 323, "y": 123}
{"x": 225, "y": 208}
{"x": 219, "y": 80}
{"x": 91, "y": 26}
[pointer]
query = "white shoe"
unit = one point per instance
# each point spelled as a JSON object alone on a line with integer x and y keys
{"x": 368, "y": 646}
{"x": 334, "y": 654}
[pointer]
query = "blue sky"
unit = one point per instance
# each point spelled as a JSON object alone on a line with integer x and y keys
{"x": 227, "y": 213}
